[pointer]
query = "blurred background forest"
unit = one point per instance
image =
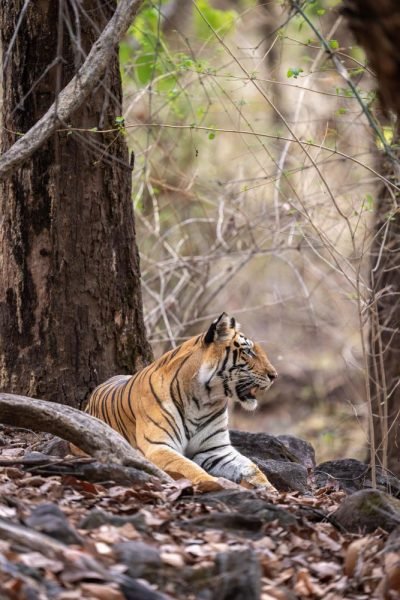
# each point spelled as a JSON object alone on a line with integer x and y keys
{"x": 232, "y": 216}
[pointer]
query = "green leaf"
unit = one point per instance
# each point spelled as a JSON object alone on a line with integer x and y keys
{"x": 368, "y": 203}
{"x": 333, "y": 44}
{"x": 221, "y": 21}
{"x": 294, "y": 72}
{"x": 211, "y": 135}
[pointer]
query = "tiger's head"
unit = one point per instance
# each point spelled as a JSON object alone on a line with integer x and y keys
{"x": 233, "y": 366}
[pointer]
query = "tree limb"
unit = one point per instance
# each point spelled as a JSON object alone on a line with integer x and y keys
{"x": 76, "y": 91}
{"x": 88, "y": 433}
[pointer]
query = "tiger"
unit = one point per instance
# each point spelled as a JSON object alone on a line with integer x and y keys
{"x": 174, "y": 411}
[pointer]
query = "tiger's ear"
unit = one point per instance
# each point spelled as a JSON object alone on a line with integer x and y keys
{"x": 221, "y": 329}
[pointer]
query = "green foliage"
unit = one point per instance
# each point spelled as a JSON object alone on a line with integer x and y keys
{"x": 221, "y": 21}
{"x": 368, "y": 203}
{"x": 145, "y": 51}
{"x": 294, "y": 72}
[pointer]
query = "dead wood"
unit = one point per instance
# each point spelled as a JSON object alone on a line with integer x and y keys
{"x": 90, "y": 470}
{"x": 88, "y": 433}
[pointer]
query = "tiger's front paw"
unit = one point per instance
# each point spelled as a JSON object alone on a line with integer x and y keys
{"x": 214, "y": 484}
{"x": 257, "y": 479}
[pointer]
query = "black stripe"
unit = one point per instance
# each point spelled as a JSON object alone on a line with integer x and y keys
{"x": 166, "y": 412}
{"x": 161, "y": 427}
{"x": 227, "y": 352}
{"x": 228, "y": 461}
{"x": 181, "y": 413}
{"x": 118, "y": 412}
{"x": 220, "y": 430}
{"x": 215, "y": 462}
{"x": 213, "y": 417}
{"x": 180, "y": 407}
{"x": 207, "y": 384}
{"x": 207, "y": 450}
{"x": 129, "y": 395}
{"x": 158, "y": 443}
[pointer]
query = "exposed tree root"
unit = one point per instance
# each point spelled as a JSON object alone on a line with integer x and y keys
{"x": 88, "y": 433}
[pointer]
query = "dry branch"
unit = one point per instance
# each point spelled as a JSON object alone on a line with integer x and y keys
{"x": 88, "y": 433}
{"x": 76, "y": 91}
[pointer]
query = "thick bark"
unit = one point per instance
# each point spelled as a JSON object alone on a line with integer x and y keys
{"x": 376, "y": 26}
{"x": 385, "y": 324}
{"x": 70, "y": 300}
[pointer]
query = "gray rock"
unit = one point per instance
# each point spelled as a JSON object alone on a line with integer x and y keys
{"x": 366, "y": 510}
{"x": 303, "y": 450}
{"x": 348, "y": 473}
{"x": 141, "y": 559}
{"x": 285, "y": 476}
{"x": 261, "y": 446}
{"x": 278, "y": 458}
{"x": 96, "y": 518}
{"x": 233, "y": 575}
{"x": 237, "y": 576}
{"x": 49, "y": 519}
{"x": 247, "y": 505}
{"x": 351, "y": 475}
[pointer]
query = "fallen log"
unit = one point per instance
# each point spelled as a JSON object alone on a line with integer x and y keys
{"x": 92, "y": 436}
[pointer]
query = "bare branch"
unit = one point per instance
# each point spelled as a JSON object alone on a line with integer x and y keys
{"x": 76, "y": 91}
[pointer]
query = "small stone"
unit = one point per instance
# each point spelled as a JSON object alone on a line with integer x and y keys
{"x": 50, "y": 520}
{"x": 141, "y": 559}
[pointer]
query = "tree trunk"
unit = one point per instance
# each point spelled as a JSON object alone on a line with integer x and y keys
{"x": 70, "y": 298}
{"x": 376, "y": 26}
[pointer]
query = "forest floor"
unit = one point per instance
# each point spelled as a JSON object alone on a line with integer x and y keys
{"x": 66, "y": 538}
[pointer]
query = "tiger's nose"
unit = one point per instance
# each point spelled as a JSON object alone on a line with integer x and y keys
{"x": 272, "y": 375}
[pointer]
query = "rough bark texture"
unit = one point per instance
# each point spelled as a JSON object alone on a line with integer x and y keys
{"x": 376, "y": 26}
{"x": 70, "y": 300}
{"x": 385, "y": 323}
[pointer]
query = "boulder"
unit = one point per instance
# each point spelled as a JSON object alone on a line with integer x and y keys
{"x": 366, "y": 510}
{"x": 279, "y": 458}
{"x": 352, "y": 475}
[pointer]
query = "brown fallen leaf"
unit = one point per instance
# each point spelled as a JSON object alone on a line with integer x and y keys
{"x": 175, "y": 489}
{"x": 305, "y": 586}
{"x": 325, "y": 569}
{"x": 173, "y": 559}
{"x": 391, "y": 582}
{"x": 354, "y": 556}
{"x": 328, "y": 542}
{"x": 84, "y": 487}
{"x": 101, "y": 592}
{"x": 36, "y": 560}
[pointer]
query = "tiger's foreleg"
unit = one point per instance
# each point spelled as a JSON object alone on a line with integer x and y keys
{"x": 177, "y": 466}
{"x": 230, "y": 464}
